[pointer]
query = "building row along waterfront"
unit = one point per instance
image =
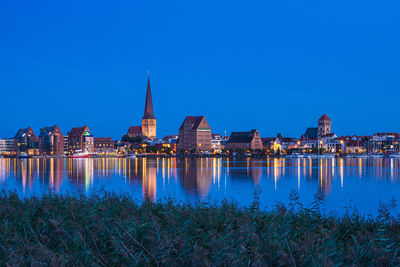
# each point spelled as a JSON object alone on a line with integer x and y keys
{"x": 51, "y": 141}
{"x": 194, "y": 136}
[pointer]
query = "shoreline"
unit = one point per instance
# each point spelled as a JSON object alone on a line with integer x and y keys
{"x": 236, "y": 157}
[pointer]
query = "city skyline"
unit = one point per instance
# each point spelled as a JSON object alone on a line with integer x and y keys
{"x": 149, "y": 114}
{"x": 270, "y": 66}
{"x": 140, "y": 119}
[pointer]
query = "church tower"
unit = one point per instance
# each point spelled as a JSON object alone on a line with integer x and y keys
{"x": 148, "y": 120}
{"x": 324, "y": 125}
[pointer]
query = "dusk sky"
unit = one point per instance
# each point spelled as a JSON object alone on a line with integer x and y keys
{"x": 276, "y": 66}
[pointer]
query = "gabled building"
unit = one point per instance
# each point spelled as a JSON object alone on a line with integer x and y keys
{"x": 331, "y": 143}
{"x": 224, "y": 141}
{"x": 289, "y": 143}
{"x": 135, "y": 131}
{"x": 80, "y": 139}
{"x": 272, "y": 144}
{"x": 216, "y": 142}
{"x": 245, "y": 140}
{"x": 104, "y": 145}
{"x": 314, "y": 136}
{"x": 310, "y": 138}
{"x": 195, "y": 134}
{"x": 51, "y": 141}
{"x": 385, "y": 142}
{"x": 25, "y": 141}
{"x": 354, "y": 147}
{"x": 354, "y": 144}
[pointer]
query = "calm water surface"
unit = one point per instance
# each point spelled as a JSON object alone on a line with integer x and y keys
{"x": 361, "y": 183}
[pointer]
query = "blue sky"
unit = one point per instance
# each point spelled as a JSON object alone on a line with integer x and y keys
{"x": 272, "y": 65}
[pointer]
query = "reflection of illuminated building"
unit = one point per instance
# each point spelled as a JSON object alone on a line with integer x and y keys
{"x": 51, "y": 172}
{"x": 27, "y": 170}
{"x": 149, "y": 182}
{"x": 196, "y": 177}
{"x": 244, "y": 170}
{"x": 321, "y": 171}
{"x": 168, "y": 169}
{"x": 324, "y": 178}
{"x": 58, "y": 173}
{"x": 4, "y": 170}
{"x": 256, "y": 172}
{"x": 104, "y": 166}
{"x": 277, "y": 170}
{"x": 81, "y": 171}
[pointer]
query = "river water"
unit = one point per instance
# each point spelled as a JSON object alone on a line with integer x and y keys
{"x": 342, "y": 183}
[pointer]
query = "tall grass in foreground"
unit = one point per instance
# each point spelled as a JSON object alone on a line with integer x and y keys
{"x": 114, "y": 230}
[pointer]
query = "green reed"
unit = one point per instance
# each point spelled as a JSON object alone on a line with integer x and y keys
{"x": 113, "y": 230}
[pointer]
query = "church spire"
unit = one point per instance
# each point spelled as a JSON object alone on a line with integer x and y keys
{"x": 148, "y": 109}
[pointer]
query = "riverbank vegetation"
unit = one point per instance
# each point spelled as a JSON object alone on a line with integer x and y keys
{"x": 112, "y": 230}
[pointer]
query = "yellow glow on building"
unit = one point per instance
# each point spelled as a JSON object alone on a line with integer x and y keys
{"x": 276, "y": 146}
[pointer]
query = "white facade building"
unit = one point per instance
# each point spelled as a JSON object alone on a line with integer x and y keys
{"x": 216, "y": 140}
{"x": 6, "y": 146}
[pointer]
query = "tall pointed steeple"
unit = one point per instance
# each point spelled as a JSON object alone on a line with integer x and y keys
{"x": 149, "y": 123}
{"x": 148, "y": 108}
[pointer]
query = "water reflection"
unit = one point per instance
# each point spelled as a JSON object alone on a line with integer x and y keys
{"x": 196, "y": 175}
{"x": 205, "y": 177}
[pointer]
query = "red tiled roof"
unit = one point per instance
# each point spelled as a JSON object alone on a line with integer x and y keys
{"x": 364, "y": 136}
{"x": 345, "y": 138}
{"x": 324, "y": 117}
{"x": 78, "y": 131}
{"x": 353, "y": 143}
{"x": 171, "y": 136}
{"x": 288, "y": 139}
{"x": 135, "y": 130}
{"x": 383, "y": 134}
{"x": 102, "y": 139}
{"x": 328, "y": 135}
{"x": 242, "y": 137}
{"x": 268, "y": 138}
{"x": 194, "y": 120}
{"x": 26, "y": 131}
